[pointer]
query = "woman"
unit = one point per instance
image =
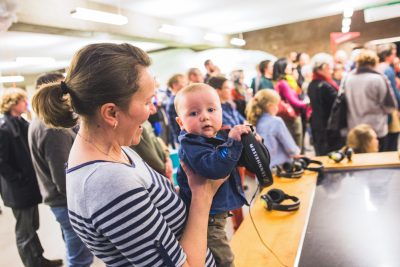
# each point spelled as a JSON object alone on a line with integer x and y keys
{"x": 282, "y": 68}
{"x": 322, "y": 92}
{"x": 125, "y": 212}
{"x": 369, "y": 97}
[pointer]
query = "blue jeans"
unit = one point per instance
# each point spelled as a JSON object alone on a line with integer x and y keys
{"x": 78, "y": 255}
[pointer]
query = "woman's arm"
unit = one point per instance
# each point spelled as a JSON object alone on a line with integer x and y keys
{"x": 194, "y": 238}
{"x": 287, "y": 93}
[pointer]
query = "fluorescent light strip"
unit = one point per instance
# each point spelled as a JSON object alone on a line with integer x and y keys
{"x": 345, "y": 29}
{"x": 98, "y": 16}
{"x": 174, "y": 30}
{"x": 238, "y": 42}
{"x": 348, "y": 12}
{"x": 35, "y": 60}
{"x": 11, "y": 79}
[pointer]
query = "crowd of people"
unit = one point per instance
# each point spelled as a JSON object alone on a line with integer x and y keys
{"x": 113, "y": 126}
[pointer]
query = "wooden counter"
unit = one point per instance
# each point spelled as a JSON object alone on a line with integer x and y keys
{"x": 284, "y": 232}
{"x": 365, "y": 160}
{"x": 281, "y": 231}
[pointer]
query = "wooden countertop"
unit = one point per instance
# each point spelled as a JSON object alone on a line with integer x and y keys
{"x": 281, "y": 231}
{"x": 365, "y": 160}
{"x": 284, "y": 232}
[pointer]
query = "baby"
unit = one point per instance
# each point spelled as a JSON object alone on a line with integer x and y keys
{"x": 209, "y": 154}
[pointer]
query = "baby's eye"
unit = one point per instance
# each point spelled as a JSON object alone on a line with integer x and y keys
{"x": 193, "y": 113}
{"x": 211, "y": 110}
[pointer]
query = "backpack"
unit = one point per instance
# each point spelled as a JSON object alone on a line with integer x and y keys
{"x": 337, "y": 120}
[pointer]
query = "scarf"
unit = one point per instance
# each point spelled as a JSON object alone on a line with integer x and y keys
{"x": 317, "y": 76}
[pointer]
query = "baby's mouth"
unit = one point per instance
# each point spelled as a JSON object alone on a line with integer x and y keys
{"x": 207, "y": 127}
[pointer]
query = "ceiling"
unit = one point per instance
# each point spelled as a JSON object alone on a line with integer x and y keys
{"x": 44, "y": 28}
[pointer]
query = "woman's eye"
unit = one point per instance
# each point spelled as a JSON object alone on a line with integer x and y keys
{"x": 193, "y": 113}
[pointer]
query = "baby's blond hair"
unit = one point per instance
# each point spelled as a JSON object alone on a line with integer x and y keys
{"x": 195, "y": 87}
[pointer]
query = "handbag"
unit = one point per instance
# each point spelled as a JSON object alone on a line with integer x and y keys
{"x": 338, "y": 117}
{"x": 286, "y": 111}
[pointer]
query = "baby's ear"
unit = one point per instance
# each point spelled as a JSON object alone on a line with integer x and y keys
{"x": 179, "y": 121}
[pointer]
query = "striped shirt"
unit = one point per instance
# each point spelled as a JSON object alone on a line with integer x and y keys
{"x": 127, "y": 215}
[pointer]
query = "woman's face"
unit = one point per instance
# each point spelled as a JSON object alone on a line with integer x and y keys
{"x": 289, "y": 69}
{"x": 139, "y": 110}
{"x": 225, "y": 93}
{"x": 20, "y": 107}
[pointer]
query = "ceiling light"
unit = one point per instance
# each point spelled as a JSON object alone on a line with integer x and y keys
{"x": 345, "y": 29}
{"x": 213, "y": 37}
{"x": 11, "y": 79}
{"x": 348, "y": 12}
{"x": 238, "y": 42}
{"x": 99, "y": 16}
{"x": 174, "y": 30}
{"x": 35, "y": 60}
{"x": 346, "y": 22}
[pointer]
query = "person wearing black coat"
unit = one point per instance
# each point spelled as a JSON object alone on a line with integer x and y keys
{"x": 18, "y": 184}
{"x": 322, "y": 92}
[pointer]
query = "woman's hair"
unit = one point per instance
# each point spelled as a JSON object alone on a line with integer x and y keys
{"x": 367, "y": 58}
{"x": 359, "y": 138}
{"x": 49, "y": 77}
{"x": 10, "y": 98}
{"x": 280, "y": 69}
{"x": 264, "y": 65}
{"x": 217, "y": 82}
{"x": 319, "y": 60}
{"x": 257, "y": 105}
{"x": 99, "y": 73}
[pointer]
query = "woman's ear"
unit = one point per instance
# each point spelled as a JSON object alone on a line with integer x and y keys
{"x": 108, "y": 113}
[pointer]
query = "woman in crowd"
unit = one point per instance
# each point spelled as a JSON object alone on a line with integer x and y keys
{"x": 369, "y": 97}
{"x": 125, "y": 212}
{"x": 282, "y": 68}
{"x": 322, "y": 92}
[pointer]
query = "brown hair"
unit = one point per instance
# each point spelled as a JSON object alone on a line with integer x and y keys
{"x": 49, "y": 77}
{"x": 99, "y": 73}
{"x": 359, "y": 138}
{"x": 367, "y": 58}
{"x": 217, "y": 82}
{"x": 10, "y": 98}
{"x": 174, "y": 79}
{"x": 194, "y": 87}
{"x": 257, "y": 105}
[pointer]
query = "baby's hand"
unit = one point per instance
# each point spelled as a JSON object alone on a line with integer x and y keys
{"x": 237, "y": 131}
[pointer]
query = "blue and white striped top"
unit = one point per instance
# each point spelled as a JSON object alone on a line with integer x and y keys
{"x": 127, "y": 215}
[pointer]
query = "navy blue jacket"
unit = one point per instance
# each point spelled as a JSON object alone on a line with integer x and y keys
{"x": 213, "y": 158}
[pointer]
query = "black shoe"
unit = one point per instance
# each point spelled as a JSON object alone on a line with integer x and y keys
{"x": 51, "y": 263}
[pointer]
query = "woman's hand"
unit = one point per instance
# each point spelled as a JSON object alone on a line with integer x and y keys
{"x": 202, "y": 186}
{"x": 168, "y": 168}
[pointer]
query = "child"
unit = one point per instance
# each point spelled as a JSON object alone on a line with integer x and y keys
{"x": 208, "y": 154}
{"x": 363, "y": 139}
{"x": 261, "y": 111}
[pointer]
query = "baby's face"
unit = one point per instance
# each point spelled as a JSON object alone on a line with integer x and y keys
{"x": 200, "y": 113}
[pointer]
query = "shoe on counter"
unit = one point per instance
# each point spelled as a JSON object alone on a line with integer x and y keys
{"x": 51, "y": 263}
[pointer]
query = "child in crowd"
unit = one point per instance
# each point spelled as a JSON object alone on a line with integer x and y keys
{"x": 212, "y": 156}
{"x": 261, "y": 111}
{"x": 363, "y": 139}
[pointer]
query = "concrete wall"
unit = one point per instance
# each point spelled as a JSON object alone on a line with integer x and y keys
{"x": 312, "y": 36}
